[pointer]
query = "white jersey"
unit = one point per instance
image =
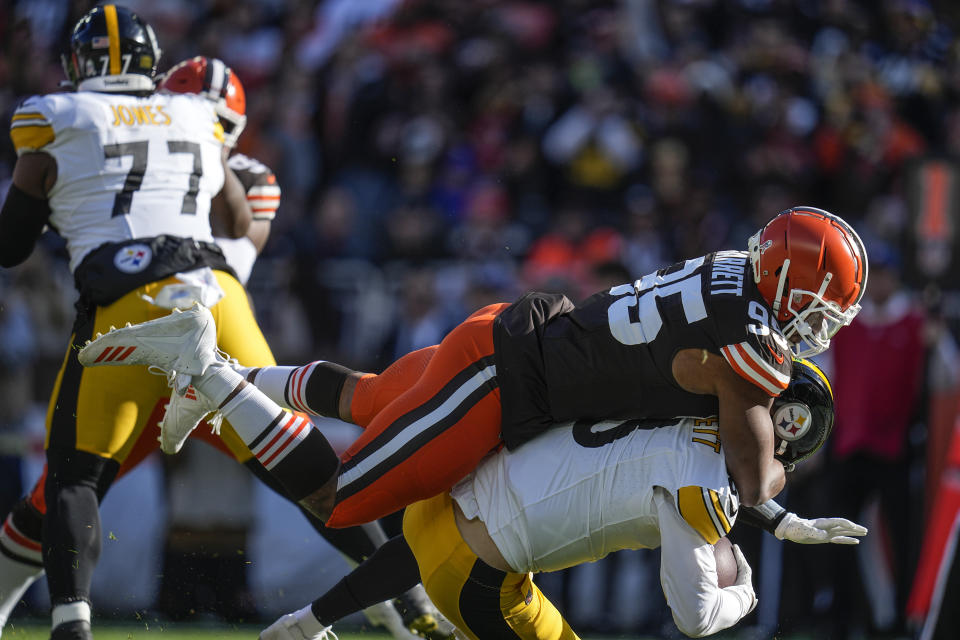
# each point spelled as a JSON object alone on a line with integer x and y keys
{"x": 127, "y": 167}
{"x": 580, "y": 491}
{"x": 240, "y": 254}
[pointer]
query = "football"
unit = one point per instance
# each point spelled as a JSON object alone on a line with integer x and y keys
{"x": 726, "y": 563}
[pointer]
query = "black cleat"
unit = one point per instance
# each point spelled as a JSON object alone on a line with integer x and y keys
{"x": 422, "y": 618}
{"x": 73, "y": 630}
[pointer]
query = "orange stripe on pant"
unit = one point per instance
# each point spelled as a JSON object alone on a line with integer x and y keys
{"x": 433, "y": 433}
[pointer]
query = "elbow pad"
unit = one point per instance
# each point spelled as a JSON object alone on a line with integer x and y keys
{"x": 765, "y": 516}
{"x": 21, "y": 222}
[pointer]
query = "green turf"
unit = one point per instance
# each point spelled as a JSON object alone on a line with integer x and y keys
{"x": 36, "y": 630}
{"x": 167, "y": 631}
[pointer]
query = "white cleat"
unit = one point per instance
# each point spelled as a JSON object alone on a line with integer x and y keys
{"x": 185, "y": 342}
{"x": 184, "y": 413}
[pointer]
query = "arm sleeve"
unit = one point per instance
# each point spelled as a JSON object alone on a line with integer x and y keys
{"x": 688, "y": 575}
{"x": 21, "y": 223}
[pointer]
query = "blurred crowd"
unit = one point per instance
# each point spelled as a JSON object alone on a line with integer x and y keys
{"x": 438, "y": 155}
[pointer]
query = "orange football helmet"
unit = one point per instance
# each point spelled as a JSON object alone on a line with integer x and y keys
{"x": 217, "y": 82}
{"x": 811, "y": 268}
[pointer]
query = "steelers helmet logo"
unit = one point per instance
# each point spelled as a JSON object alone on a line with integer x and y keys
{"x": 792, "y": 421}
{"x": 133, "y": 258}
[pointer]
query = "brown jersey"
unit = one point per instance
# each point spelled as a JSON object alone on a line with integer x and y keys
{"x": 611, "y": 356}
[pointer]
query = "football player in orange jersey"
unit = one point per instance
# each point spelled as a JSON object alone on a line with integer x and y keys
{"x": 701, "y": 337}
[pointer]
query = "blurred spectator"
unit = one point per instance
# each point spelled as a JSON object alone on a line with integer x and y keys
{"x": 16, "y": 346}
{"x": 420, "y": 322}
{"x": 489, "y": 147}
{"x": 869, "y": 447}
{"x": 210, "y": 502}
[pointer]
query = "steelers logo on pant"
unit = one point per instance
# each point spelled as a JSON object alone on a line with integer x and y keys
{"x": 133, "y": 258}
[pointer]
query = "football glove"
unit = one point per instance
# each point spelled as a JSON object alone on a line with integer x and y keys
{"x": 299, "y": 625}
{"x": 819, "y": 531}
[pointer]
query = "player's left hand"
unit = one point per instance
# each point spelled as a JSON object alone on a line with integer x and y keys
{"x": 819, "y": 531}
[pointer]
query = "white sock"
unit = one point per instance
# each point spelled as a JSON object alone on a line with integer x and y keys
{"x": 237, "y": 399}
{"x": 270, "y": 432}
{"x": 15, "y": 579}
{"x": 286, "y": 385}
{"x": 308, "y": 622}
{"x": 70, "y": 612}
{"x": 272, "y": 381}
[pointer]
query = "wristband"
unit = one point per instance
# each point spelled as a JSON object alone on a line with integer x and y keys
{"x": 765, "y": 516}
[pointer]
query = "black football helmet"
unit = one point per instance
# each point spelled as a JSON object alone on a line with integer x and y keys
{"x": 802, "y": 414}
{"x": 112, "y": 49}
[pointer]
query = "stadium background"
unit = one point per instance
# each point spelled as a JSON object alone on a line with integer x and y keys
{"x": 437, "y": 155}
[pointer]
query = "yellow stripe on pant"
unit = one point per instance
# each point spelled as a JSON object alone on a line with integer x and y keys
{"x": 103, "y": 410}
{"x": 483, "y": 602}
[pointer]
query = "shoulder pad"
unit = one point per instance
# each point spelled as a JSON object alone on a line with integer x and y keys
{"x": 762, "y": 361}
{"x": 195, "y": 101}
{"x": 31, "y": 127}
{"x": 753, "y": 344}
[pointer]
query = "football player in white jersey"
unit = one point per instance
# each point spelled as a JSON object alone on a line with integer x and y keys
{"x": 135, "y": 182}
{"x": 583, "y": 490}
{"x": 20, "y": 537}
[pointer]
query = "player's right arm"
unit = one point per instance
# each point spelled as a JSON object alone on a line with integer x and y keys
{"x": 746, "y": 428}
{"x": 746, "y": 431}
{"x": 25, "y": 209}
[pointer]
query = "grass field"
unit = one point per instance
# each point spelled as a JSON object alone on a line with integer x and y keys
{"x": 38, "y": 630}
{"x": 167, "y": 631}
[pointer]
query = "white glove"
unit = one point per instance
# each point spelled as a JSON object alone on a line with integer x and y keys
{"x": 744, "y": 578}
{"x": 300, "y": 625}
{"x": 834, "y": 530}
